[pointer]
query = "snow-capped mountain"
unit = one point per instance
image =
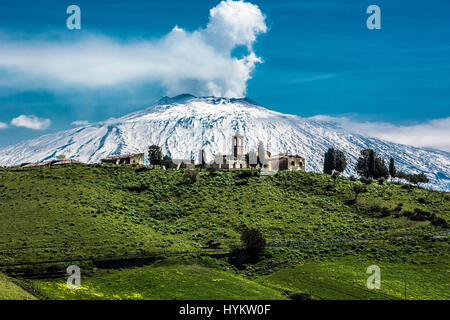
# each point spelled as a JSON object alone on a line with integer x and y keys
{"x": 185, "y": 124}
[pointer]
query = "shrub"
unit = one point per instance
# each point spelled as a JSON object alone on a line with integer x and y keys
{"x": 300, "y": 296}
{"x": 190, "y": 175}
{"x": 254, "y": 242}
{"x": 142, "y": 169}
{"x": 359, "y": 189}
{"x": 245, "y": 174}
{"x": 439, "y": 222}
{"x": 385, "y": 212}
{"x": 422, "y": 200}
{"x": 365, "y": 180}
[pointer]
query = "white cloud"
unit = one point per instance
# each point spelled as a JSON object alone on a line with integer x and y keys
{"x": 31, "y": 122}
{"x": 3, "y": 125}
{"x": 198, "y": 62}
{"x": 80, "y": 123}
{"x": 430, "y": 134}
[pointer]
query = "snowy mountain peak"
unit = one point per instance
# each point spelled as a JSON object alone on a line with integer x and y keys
{"x": 184, "y": 124}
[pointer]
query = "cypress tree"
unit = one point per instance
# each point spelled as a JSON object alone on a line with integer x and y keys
{"x": 329, "y": 161}
{"x": 334, "y": 160}
{"x": 372, "y": 163}
{"x": 341, "y": 162}
{"x": 392, "y": 169}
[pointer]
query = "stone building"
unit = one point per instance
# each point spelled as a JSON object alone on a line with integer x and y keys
{"x": 240, "y": 160}
{"x": 237, "y": 160}
{"x": 284, "y": 161}
{"x": 135, "y": 158}
{"x": 179, "y": 164}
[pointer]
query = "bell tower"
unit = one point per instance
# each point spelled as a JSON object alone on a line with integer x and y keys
{"x": 238, "y": 145}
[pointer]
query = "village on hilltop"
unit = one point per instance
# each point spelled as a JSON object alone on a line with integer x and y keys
{"x": 260, "y": 159}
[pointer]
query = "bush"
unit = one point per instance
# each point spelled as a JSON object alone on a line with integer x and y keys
{"x": 213, "y": 172}
{"x": 300, "y": 296}
{"x": 381, "y": 181}
{"x": 190, "y": 175}
{"x": 254, "y": 242}
{"x": 385, "y": 212}
{"x": 422, "y": 200}
{"x": 365, "y": 180}
{"x": 359, "y": 189}
{"x": 439, "y": 222}
{"x": 245, "y": 174}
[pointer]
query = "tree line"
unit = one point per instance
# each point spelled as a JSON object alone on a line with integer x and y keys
{"x": 368, "y": 165}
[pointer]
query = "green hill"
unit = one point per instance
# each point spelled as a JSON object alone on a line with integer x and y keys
{"x": 79, "y": 214}
{"x": 11, "y": 291}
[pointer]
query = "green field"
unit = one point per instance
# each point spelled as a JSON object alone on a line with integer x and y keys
{"x": 79, "y": 214}
{"x": 11, "y": 291}
{"x": 161, "y": 282}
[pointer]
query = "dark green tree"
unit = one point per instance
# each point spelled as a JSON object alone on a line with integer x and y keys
{"x": 254, "y": 242}
{"x": 202, "y": 158}
{"x": 154, "y": 155}
{"x": 392, "y": 169}
{"x": 412, "y": 178}
{"x": 402, "y": 175}
{"x": 166, "y": 161}
{"x": 381, "y": 171}
{"x": 417, "y": 179}
{"x": 369, "y": 165}
{"x": 334, "y": 160}
{"x": 358, "y": 189}
{"x": 341, "y": 161}
{"x": 372, "y": 160}
{"x": 329, "y": 162}
{"x": 423, "y": 178}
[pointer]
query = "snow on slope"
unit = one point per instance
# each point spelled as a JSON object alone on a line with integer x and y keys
{"x": 184, "y": 124}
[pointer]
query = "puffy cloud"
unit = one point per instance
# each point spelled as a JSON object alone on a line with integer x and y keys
{"x": 430, "y": 134}
{"x": 198, "y": 62}
{"x": 3, "y": 125}
{"x": 31, "y": 122}
{"x": 233, "y": 23}
{"x": 80, "y": 123}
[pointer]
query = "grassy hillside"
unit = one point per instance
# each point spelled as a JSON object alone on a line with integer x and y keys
{"x": 99, "y": 211}
{"x": 161, "y": 282}
{"x": 11, "y": 291}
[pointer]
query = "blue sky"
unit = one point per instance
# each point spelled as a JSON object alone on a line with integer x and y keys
{"x": 319, "y": 58}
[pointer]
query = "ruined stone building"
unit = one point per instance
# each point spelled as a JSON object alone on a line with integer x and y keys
{"x": 252, "y": 160}
{"x": 135, "y": 158}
